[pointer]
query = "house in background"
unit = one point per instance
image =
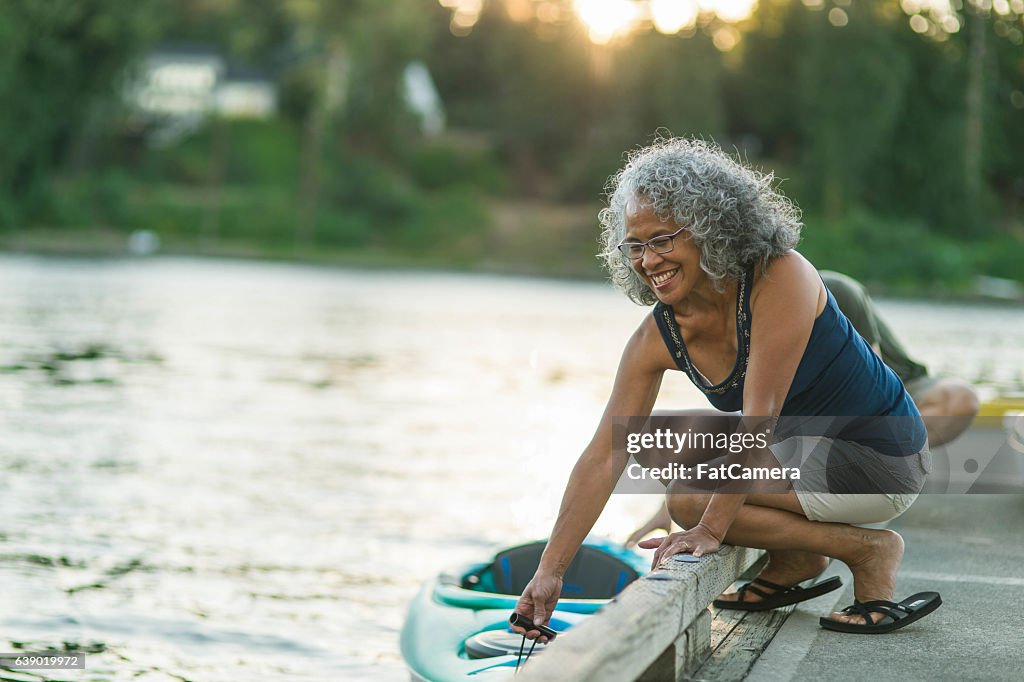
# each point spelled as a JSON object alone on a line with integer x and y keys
{"x": 245, "y": 93}
{"x": 177, "y": 81}
{"x": 178, "y": 86}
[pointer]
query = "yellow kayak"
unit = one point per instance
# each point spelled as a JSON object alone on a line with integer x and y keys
{"x": 1001, "y": 406}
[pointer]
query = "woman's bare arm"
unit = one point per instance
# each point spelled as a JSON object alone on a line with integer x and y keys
{"x": 637, "y": 382}
{"x": 590, "y": 485}
{"x": 784, "y": 305}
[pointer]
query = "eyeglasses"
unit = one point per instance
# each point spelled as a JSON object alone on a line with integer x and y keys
{"x": 635, "y": 250}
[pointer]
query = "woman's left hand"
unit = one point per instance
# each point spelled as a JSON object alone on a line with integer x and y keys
{"x": 697, "y": 541}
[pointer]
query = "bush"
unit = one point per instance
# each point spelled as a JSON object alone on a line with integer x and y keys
{"x": 264, "y": 216}
{"x": 110, "y": 191}
{"x": 370, "y": 194}
{"x": 345, "y": 229}
{"x": 902, "y": 254}
{"x": 999, "y": 257}
{"x": 10, "y": 214}
{"x": 83, "y": 201}
{"x": 435, "y": 167}
{"x": 257, "y": 152}
{"x": 63, "y": 204}
{"x": 164, "y": 211}
{"x": 263, "y": 153}
{"x": 452, "y": 224}
{"x": 187, "y": 162}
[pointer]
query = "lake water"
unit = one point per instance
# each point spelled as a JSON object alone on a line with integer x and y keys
{"x": 219, "y": 470}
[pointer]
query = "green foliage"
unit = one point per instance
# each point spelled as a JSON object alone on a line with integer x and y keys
{"x": 453, "y": 223}
{"x": 258, "y": 153}
{"x": 1004, "y": 129}
{"x": 866, "y": 121}
{"x": 370, "y": 204}
{"x": 449, "y": 223}
{"x": 99, "y": 199}
{"x": 826, "y": 98}
{"x": 762, "y": 90}
{"x": 168, "y": 211}
{"x": 59, "y": 60}
{"x": 382, "y": 38}
{"x": 850, "y": 105}
{"x": 669, "y": 82}
{"x": 999, "y": 256}
{"x": 250, "y": 30}
{"x": 187, "y": 162}
{"x": 666, "y": 83}
{"x": 862, "y": 245}
{"x": 537, "y": 98}
{"x": 363, "y": 186}
{"x": 923, "y": 174}
{"x": 345, "y": 229}
{"x": 586, "y": 170}
{"x": 254, "y": 215}
{"x": 438, "y": 166}
{"x": 263, "y": 153}
{"x": 871, "y": 115}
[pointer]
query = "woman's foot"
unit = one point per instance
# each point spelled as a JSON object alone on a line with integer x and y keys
{"x": 785, "y": 567}
{"x": 874, "y": 571}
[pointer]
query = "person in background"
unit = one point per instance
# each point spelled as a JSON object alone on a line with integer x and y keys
{"x": 947, "y": 405}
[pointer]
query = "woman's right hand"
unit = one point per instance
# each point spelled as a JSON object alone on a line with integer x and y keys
{"x": 538, "y": 602}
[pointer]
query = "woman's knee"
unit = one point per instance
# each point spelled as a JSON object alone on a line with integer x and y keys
{"x": 963, "y": 400}
{"x": 950, "y": 398}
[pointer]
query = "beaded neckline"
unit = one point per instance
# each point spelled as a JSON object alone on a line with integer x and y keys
{"x": 682, "y": 358}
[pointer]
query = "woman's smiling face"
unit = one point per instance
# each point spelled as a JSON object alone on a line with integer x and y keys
{"x": 673, "y": 275}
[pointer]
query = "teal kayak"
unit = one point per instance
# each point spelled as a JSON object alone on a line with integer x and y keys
{"x": 457, "y": 626}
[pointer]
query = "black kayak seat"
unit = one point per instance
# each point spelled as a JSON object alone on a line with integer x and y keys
{"x": 593, "y": 574}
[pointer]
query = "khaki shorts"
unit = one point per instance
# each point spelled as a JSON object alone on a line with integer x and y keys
{"x": 832, "y": 469}
{"x": 854, "y": 508}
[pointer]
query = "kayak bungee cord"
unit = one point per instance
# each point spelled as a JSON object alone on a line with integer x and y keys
{"x": 520, "y": 659}
{"x": 517, "y": 619}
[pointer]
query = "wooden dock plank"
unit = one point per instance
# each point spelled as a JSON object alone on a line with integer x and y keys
{"x": 722, "y": 623}
{"x": 737, "y": 652}
{"x": 643, "y": 623}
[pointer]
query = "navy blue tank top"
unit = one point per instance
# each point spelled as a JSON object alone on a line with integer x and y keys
{"x": 841, "y": 388}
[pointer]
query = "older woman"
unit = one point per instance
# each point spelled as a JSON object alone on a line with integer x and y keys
{"x": 709, "y": 242}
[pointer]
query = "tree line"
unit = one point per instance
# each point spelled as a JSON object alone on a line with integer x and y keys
{"x": 889, "y": 128}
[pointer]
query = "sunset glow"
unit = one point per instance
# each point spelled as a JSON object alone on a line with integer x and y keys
{"x": 729, "y": 10}
{"x": 672, "y": 16}
{"x": 607, "y": 19}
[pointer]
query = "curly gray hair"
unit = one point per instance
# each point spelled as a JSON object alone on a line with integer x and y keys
{"x": 734, "y": 213}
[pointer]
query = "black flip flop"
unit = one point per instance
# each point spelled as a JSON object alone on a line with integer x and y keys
{"x": 894, "y": 616}
{"x": 782, "y": 596}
